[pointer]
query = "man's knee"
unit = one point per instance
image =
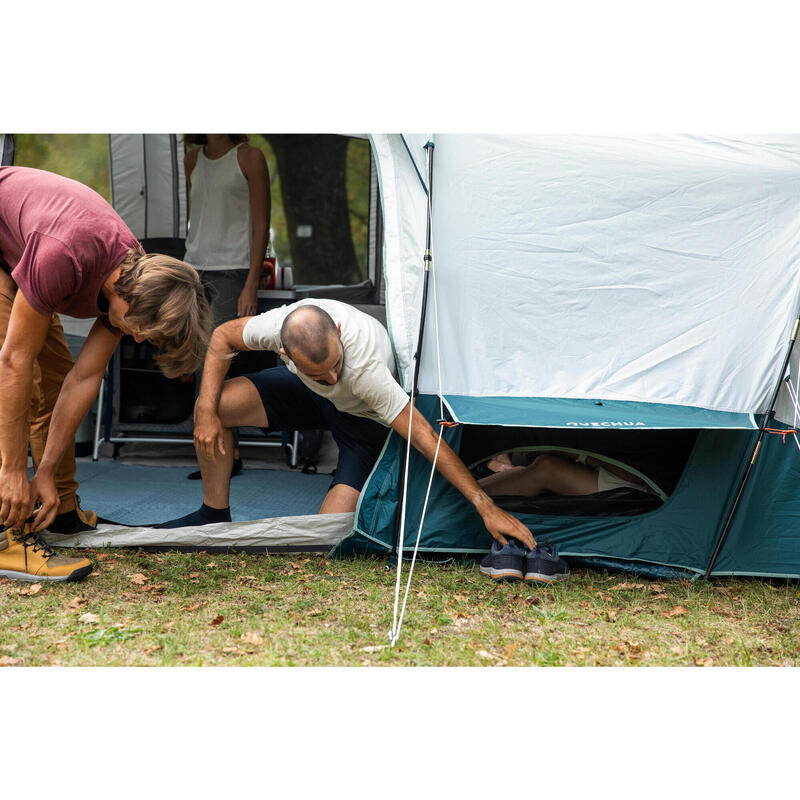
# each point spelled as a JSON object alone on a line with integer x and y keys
{"x": 240, "y": 405}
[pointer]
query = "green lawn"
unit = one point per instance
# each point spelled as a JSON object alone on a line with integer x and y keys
{"x": 210, "y": 609}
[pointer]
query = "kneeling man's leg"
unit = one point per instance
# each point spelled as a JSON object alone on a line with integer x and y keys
{"x": 239, "y": 405}
{"x": 360, "y": 443}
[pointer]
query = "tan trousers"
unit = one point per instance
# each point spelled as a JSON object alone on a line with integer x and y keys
{"x": 49, "y": 371}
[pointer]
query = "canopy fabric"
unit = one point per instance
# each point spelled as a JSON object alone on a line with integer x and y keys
{"x": 649, "y": 269}
{"x": 588, "y": 414}
{"x": 148, "y": 187}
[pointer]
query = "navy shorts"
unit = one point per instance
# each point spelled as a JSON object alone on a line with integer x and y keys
{"x": 290, "y": 405}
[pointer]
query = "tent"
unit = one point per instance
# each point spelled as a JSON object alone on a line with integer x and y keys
{"x": 631, "y": 297}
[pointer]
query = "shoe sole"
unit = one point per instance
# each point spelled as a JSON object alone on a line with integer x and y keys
{"x": 77, "y": 575}
{"x": 502, "y": 574}
{"x": 541, "y": 578}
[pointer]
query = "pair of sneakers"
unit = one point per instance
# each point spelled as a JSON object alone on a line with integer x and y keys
{"x": 513, "y": 562}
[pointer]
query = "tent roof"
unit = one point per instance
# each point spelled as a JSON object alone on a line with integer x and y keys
{"x": 657, "y": 270}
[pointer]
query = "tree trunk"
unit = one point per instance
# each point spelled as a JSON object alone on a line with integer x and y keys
{"x": 312, "y": 171}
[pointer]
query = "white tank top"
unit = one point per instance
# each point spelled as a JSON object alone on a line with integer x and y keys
{"x": 220, "y": 227}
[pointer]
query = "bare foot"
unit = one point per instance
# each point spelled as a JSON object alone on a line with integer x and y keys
{"x": 500, "y": 463}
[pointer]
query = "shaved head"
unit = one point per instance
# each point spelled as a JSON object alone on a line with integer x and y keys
{"x": 310, "y": 332}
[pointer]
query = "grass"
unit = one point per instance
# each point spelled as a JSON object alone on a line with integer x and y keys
{"x": 214, "y": 609}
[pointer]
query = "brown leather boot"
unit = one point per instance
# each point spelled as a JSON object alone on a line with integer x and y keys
{"x": 25, "y": 557}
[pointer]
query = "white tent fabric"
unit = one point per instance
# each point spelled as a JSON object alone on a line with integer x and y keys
{"x": 313, "y": 530}
{"x": 658, "y": 269}
{"x": 148, "y": 187}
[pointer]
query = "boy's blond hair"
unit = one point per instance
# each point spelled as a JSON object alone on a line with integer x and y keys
{"x": 168, "y": 306}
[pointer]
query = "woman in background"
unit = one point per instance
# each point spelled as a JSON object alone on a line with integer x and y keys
{"x": 228, "y": 225}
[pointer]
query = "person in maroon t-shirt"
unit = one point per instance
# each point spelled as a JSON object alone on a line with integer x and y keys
{"x": 63, "y": 249}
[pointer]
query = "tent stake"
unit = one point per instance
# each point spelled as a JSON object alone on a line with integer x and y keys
{"x": 743, "y": 482}
{"x": 428, "y": 258}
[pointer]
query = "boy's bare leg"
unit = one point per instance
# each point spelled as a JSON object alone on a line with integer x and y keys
{"x": 548, "y": 473}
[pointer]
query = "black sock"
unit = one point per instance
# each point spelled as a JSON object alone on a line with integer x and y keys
{"x": 204, "y": 515}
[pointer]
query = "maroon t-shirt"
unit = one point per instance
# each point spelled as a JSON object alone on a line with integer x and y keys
{"x": 60, "y": 240}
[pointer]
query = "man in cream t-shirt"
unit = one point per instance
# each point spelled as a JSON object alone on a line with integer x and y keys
{"x": 339, "y": 374}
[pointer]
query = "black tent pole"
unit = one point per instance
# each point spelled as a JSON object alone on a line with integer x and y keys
{"x": 743, "y": 482}
{"x": 428, "y": 259}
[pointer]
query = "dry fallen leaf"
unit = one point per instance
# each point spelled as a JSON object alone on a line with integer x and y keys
{"x": 8, "y": 661}
{"x": 486, "y": 656}
{"x": 509, "y": 650}
{"x": 217, "y": 619}
{"x": 194, "y": 574}
{"x": 76, "y": 603}
{"x": 211, "y": 565}
{"x": 620, "y": 586}
{"x": 195, "y": 606}
{"x": 372, "y": 648}
{"x": 103, "y": 556}
{"x": 138, "y": 578}
{"x": 675, "y": 611}
{"x": 31, "y": 590}
{"x": 708, "y": 662}
{"x": 89, "y": 618}
{"x": 427, "y": 641}
{"x": 230, "y": 649}
{"x": 251, "y": 638}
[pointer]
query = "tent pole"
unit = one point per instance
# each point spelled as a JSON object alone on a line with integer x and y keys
{"x": 428, "y": 258}
{"x": 743, "y": 482}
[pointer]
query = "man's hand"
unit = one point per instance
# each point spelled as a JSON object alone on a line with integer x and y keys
{"x": 44, "y": 491}
{"x": 208, "y": 432}
{"x": 501, "y": 524}
{"x": 247, "y": 304}
{"x": 15, "y": 497}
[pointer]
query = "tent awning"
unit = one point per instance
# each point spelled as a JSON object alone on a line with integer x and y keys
{"x": 549, "y": 412}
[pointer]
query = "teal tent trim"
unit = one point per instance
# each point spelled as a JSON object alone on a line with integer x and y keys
{"x": 550, "y": 412}
{"x": 679, "y": 534}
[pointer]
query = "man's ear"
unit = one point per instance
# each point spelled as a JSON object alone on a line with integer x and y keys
{"x": 339, "y": 328}
{"x": 283, "y": 352}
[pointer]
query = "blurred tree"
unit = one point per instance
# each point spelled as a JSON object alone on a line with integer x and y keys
{"x": 80, "y": 156}
{"x": 313, "y": 170}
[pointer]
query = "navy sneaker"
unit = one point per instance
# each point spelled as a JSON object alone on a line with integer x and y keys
{"x": 504, "y": 563}
{"x": 543, "y": 564}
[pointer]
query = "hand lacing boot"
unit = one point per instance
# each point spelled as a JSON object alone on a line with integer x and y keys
{"x": 25, "y": 557}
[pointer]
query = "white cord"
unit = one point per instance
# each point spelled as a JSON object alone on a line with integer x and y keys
{"x": 796, "y": 403}
{"x": 397, "y": 622}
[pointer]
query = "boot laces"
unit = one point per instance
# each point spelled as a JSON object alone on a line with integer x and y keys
{"x": 33, "y": 540}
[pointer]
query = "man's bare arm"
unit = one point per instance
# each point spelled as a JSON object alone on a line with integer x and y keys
{"x": 225, "y": 341}
{"x": 77, "y": 394}
{"x": 27, "y": 330}
{"x": 499, "y": 523}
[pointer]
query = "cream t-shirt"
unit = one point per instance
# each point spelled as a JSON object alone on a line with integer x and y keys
{"x": 367, "y": 386}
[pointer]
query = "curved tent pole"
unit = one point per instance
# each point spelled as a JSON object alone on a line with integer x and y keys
{"x": 743, "y": 482}
{"x": 428, "y": 258}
